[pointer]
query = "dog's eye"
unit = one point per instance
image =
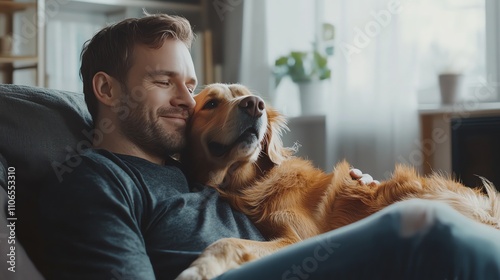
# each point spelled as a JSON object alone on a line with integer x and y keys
{"x": 211, "y": 104}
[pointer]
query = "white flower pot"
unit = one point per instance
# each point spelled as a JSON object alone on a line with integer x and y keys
{"x": 451, "y": 86}
{"x": 312, "y": 97}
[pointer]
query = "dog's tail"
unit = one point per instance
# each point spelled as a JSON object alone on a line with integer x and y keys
{"x": 494, "y": 198}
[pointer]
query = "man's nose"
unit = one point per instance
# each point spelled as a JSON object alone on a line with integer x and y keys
{"x": 184, "y": 98}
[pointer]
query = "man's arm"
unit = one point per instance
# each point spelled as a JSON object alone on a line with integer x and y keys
{"x": 91, "y": 226}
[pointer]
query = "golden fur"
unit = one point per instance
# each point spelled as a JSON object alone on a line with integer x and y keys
{"x": 286, "y": 197}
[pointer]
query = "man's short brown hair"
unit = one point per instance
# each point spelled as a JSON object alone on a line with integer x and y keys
{"x": 111, "y": 49}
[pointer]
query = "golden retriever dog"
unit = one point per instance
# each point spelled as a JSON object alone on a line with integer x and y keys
{"x": 234, "y": 145}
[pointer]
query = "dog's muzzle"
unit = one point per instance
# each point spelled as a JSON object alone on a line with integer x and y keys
{"x": 251, "y": 125}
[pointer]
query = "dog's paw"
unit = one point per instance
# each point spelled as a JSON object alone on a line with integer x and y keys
{"x": 191, "y": 273}
{"x": 219, "y": 257}
{"x": 201, "y": 271}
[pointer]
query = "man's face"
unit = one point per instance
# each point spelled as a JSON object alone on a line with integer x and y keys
{"x": 158, "y": 93}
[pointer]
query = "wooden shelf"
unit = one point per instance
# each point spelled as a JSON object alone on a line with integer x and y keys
{"x": 110, "y": 6}
{"x": 308, "y": 119}
{"x": 11, "y": 7}
{"x": 467, "y": 108}
{"x": 18, "y": 58}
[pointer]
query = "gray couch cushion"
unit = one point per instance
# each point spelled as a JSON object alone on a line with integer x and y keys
{"x": 3, "y": 172}
{"x": 39, "y": 128}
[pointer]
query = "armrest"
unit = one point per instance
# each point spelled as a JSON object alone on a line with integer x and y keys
{"x": 17, "y": 264}
{"x": 3, "y": 172}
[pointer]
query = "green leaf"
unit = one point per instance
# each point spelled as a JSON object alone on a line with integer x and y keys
{"x": 302, "y": 66}
{"x": 283, "y": 60}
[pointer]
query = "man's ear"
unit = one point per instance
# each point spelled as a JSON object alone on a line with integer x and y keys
{"x": 106, "y": 89}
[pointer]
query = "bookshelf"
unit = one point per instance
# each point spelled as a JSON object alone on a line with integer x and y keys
{"x": 20, "y": 57}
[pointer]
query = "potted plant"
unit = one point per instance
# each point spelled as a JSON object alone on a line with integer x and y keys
{"x": 302, "y": 67}
{"x": 308, "y": 69}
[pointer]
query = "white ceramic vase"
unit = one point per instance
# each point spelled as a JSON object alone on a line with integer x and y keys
{"x": 312, "y": 97}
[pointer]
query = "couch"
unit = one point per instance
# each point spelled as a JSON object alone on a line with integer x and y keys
{"x": 39, "y": 129}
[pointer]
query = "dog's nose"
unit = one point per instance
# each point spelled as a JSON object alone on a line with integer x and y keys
{"x": 252, "y": 105}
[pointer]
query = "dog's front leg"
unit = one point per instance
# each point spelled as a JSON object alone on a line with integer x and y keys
{"x": 226, "y": 254}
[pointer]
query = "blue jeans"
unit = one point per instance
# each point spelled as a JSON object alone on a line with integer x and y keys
{"x": 415, "y": 239}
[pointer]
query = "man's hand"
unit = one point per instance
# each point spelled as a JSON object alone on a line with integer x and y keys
{"x": 363, "y": 179}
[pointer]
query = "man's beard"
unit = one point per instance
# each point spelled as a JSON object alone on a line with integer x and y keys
{"x": 149, "y": 134}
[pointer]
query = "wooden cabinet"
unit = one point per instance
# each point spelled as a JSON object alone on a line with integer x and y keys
{"x": 21, "y": 25}
{"x": 438, "y": 123}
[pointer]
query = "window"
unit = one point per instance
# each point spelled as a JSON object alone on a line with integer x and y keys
{"x": 449, "y": 36}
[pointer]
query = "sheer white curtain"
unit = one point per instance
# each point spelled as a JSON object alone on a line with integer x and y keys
{"x": 273, "y": 28}
{"x": 373, "y": 120}
{"x": 254, "y": 67}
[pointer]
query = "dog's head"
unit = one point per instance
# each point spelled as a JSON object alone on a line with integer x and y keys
{"x": 231, "y": 127}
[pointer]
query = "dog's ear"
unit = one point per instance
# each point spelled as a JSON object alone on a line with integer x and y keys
{"x": 273, "y": 145}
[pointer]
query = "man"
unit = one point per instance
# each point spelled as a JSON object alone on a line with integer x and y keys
{"x": 127, "y": 211}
